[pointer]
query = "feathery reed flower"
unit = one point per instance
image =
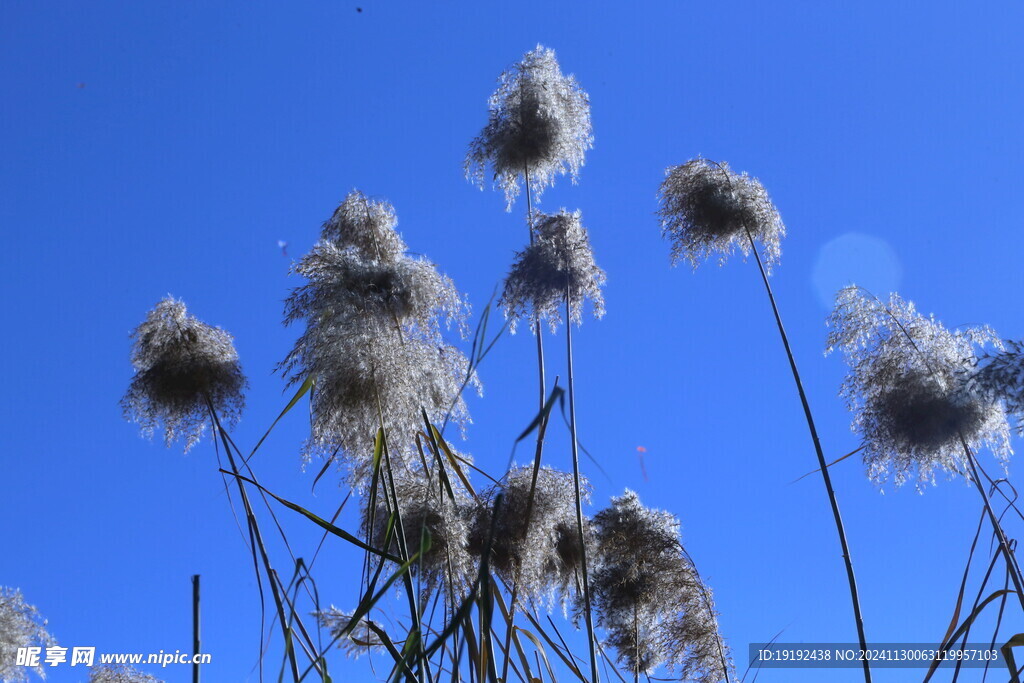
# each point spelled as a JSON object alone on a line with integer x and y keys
{"x": 20, "y": 626}
{"x": 1001, "y": 377}
{"x": 407, "y": 294}
{"x": 373, "y": 339}
{"x": 649, "y": 597}
{"x": 182, "y": 366}
{"x": 706, "y": 208}
{"x": 357, "y": 642}
{"x": 119, "y": 673}
{"x": 428, "y": 513}
{"x": 539, "y": 126}
{"x": 366, "y": 375}
{"x": 559, "y": 261}
{"x": 365, "y": 225}
{"x": 542, "y": 554}
{"x": 909, "y": 388}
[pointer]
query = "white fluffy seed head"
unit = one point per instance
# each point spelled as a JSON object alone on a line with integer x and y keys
{"x": 1000, "y": 376}
{"x": 708, "y": 209}
{"x": 429, "y": 510}
{"x": 559, "y": 262}
{"x": 20, "y": 626}
{"x": 648, "y": 596}
{"x": 406, "y": 294}
{"x": 910, "y": 390}
{"x": 358, "y": 641}
{"x": 181, "y": 364}
{"x": 366, "y": 377}
{"x": 543, "y": 555}
{"x": 373, "y": 341}
{"x": 539, "y": 124}
{"x": 365, "y": 225}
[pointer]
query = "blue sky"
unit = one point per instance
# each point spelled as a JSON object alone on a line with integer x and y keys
{"x": 165, "y": 147}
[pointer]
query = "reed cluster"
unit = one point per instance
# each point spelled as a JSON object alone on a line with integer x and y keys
{"x": 480, "y": 570}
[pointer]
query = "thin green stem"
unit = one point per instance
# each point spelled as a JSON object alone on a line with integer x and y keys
{"x": 542, "y": 396}
{"x": 541, "y": 428}
{"x": 536, "y": 325}
{"x": 589, "y": 617}
{"x": 822, "y": 464}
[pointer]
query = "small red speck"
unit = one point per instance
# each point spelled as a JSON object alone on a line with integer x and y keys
{"x": 640, "y": 450}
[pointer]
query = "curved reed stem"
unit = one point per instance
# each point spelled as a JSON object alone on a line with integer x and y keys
{"x": 1011, "y": 559}
{"x": 541, "y": 429}
{"x": 576, "y": 480}
{"x": 822, "y": 464}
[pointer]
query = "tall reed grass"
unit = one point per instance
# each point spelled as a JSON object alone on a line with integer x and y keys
{"x": 490, "y": 566}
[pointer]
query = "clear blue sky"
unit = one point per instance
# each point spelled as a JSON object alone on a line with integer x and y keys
{"x": 165, "y": 147}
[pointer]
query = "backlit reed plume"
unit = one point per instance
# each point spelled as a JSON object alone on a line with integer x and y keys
{"x": 119, "y": 673}
{"x": 533, "y": 546}
{"x": 1000, "y": 375}
{"x": 708, "y": 209}
{"x": 182, "y": 367}
{"x": 365, "y": 225}
{"x": 431, "y": 513}
{"x": 649, "y": 598}
{"x": 909, "y": 388}
{"x": 538, "y": 127}
{"x": 372, "y": 339}
{"x": 20, "y": 626}
{"x": 358, "y": 640}
{"x": 556, "y": 271}
{"x": 559, "y": 262}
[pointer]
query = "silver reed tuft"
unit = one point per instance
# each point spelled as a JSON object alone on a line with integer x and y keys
{"x": 430, "y": 514}
{"x": 372, "y": 339}
{"x": 649, "y": 597}
{"x": 539, "y": 127}
{"x": 909, "y": 388}
{"x": 20, "y": 626}
{"x": 182, "y": 367}
{"x": 708, "y": 209}
{"x": 540, "y": 555}
{"x": 559, "y": 262}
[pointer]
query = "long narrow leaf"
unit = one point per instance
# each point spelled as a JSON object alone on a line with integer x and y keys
{"x": 539, "y": 648}
{"x": 1007, "y": 650}
{"x": 341, "y": 533}
{"x": 305, "y": 387}
{"x": 963, "y": 627}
